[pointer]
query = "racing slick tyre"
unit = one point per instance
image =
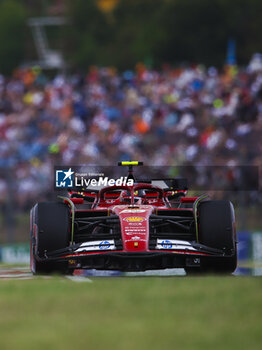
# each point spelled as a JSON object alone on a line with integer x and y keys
{"x": 49, "y": 232}
{"x": 216, "y": 230}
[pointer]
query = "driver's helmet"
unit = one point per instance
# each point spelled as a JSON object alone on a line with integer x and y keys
{"x": 125, "y": 197}
{"x": 140, "y": 193}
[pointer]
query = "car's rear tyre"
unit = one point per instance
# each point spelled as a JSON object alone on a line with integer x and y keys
{"x": 49, "y": 232}
{"x": 216, "y": 230}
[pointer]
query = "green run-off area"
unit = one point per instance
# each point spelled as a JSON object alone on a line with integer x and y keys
{"x": 132, "y": 313}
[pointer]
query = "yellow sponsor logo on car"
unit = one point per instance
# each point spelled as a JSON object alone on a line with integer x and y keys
{"x": 134, "y": 219}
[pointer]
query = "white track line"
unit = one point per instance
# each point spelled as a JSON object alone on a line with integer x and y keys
{"x": 24, "y": 273}
{"x": 16, "y": 278}
{"x": 79, "y": 279}
{"x": 15, "y": 275}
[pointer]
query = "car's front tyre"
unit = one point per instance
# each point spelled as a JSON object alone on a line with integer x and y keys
{"x": 49, "y": 231}
{"x": 217, "y": 230}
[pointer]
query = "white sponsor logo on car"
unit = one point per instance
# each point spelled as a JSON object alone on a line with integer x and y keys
{"x": 132, "y": 211}
{"x": 137, "y": 239}
{"x": 135, "y": 229}
{"x": 135, "y": 224}
{"x": 96, "y": 245}
{"x": 136, "y": 233}
{"x": 174, "y": 244}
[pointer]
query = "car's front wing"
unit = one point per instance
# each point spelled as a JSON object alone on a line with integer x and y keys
{"x": 106, "y": 255}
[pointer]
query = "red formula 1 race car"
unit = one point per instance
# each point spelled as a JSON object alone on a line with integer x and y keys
{"x": 134, "y": 227}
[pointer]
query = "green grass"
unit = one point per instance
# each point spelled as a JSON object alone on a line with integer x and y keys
{"x": 132, "y": 313}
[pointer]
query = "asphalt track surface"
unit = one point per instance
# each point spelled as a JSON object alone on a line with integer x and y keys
{"x": 24, "y": 273}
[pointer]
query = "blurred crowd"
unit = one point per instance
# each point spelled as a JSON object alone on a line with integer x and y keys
{"x": 185, "y": 116}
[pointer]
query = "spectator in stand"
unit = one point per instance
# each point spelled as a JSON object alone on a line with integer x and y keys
{"x": 179, "y": 116}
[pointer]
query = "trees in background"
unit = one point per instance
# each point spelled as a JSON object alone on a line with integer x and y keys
{"x": 139, "y": 32}
{"x": 151, "y": 31}
{"x": 89, "y": 35}
{"x": 12, "y": 30}
{"x": 170, "y": 31}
